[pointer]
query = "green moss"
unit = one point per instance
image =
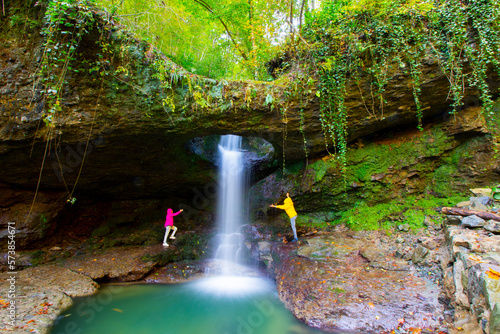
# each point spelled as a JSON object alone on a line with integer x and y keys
{"x": 296, "y": 168}
{"x": 318, "y": 220}
{"x": 320, "y": 167}
{"x": 365, "y": 217}
{"x": 410, "y": 210}
{"x": 443, "y": 178}
{"x": 379, "y": 172}
{"x": 38, "y": 257}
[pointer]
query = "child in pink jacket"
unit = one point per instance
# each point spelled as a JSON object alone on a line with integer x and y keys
{"x": 169, "y": 223}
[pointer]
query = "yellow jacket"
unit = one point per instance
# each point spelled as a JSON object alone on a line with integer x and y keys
{"x": 288, "y": 207}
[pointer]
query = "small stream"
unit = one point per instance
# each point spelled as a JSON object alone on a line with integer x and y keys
{"x": 235, "y": 305}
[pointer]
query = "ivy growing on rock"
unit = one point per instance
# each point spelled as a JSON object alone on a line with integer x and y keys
{"x": 350, "y": 39}
{"x": 64, "y": 25}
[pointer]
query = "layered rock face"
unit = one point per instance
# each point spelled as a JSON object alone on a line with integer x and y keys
{"x": 443, "y": 160}
{"x": 130, "y": 145}
{"x": 472, "y": 282}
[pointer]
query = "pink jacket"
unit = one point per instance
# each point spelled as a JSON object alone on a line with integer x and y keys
{"x": 169, "y": 220}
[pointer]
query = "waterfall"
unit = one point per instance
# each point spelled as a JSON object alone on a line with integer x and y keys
{"x": 232, "y": 277}
{"x": 232, "y": 186}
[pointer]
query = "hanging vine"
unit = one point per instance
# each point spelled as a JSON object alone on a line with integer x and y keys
{"x": 351, "y": 39}
{"x": 64, "y": 25}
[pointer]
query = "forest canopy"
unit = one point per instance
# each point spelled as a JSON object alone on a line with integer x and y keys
{"x": 224, "y": 38}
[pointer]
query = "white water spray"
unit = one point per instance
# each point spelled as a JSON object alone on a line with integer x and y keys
{"x": 230, "y": 217}
{"x": 235, "y": 279}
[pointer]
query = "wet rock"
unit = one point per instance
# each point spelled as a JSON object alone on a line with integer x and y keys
{"x": 492, "y": 226}
{"x": 492, "y": 257}
{"x": 495, "y": 320}
{"x": 353, "y": 282}
{"x": 470, "y": 240}
{"x": 453, "y": 220}
{"x": 122, "y": 264}
{"x": 458, "y": 275}
{"x": 178, "y": 272}
{"x": 419, "y": 254}
{"x": 471, "y": 285}
{"x": 464, "y": 205}
{"x": 491, "y": 286}
{"x": 264, "y": 248}
{"x": 404, "y": 227}
{"x": 43, "y": 211}
{"x": 461, "y": 240}
{"x": 480, "y": 203}
{"x": 23, "y": 260}
{"x": 448, "y": 282}
{"x": 398, "y": 254}
{"x": 428, "y": 221}
{"x": 430, "y": 242}
{"x": 473, "y": 221}
{"x": 42, "y": 293}
{"x": 460, "y": 323}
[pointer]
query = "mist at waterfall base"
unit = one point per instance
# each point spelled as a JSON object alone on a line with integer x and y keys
{"x": 226, "y": 302}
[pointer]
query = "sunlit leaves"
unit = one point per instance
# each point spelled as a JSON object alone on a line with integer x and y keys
{"x": 230, "y": 38}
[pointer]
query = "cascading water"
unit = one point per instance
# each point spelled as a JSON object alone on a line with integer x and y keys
{"x": 232, "y": 184}
{"x": 234, "y": 278}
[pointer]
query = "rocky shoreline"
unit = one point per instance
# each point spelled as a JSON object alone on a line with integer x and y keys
{"x": 440, "y": 279}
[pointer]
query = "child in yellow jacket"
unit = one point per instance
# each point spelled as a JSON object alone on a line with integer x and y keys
{"x": 290, "y": 211}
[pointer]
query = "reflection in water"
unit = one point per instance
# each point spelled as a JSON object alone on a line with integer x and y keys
{"x": 187, "y": 308}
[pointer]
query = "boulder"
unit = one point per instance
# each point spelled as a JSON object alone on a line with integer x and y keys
{"x": 419, "y": 255}
{"x": 495, "y": 320}
{"x": 352, "y": 282}
{"x": 42, "y": 293}
{"x": 473, "y": 221}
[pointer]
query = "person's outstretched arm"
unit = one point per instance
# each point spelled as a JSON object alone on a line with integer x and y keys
{"x": 175, "y": 214}
{"x": 284, "y": 206}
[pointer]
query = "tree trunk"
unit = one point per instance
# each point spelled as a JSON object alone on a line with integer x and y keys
{"x": 252, "y": 36}
{"x": 467, "y": 212}
{"x": 301, "y": 12}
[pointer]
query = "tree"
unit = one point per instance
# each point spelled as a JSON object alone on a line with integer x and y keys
{"x": 226, "y": 38}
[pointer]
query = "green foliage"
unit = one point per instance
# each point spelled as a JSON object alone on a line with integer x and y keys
{"x": 64, "y": 25}
{"x": 495, "y": 192}
{"x": 350, "y": 39}
{"x": 230, "y": 38}
{"x": 411, "y": 210}
{"x": 22, "y": 16}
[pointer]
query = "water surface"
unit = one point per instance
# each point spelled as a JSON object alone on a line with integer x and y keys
{"x": 243, "y": 305}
